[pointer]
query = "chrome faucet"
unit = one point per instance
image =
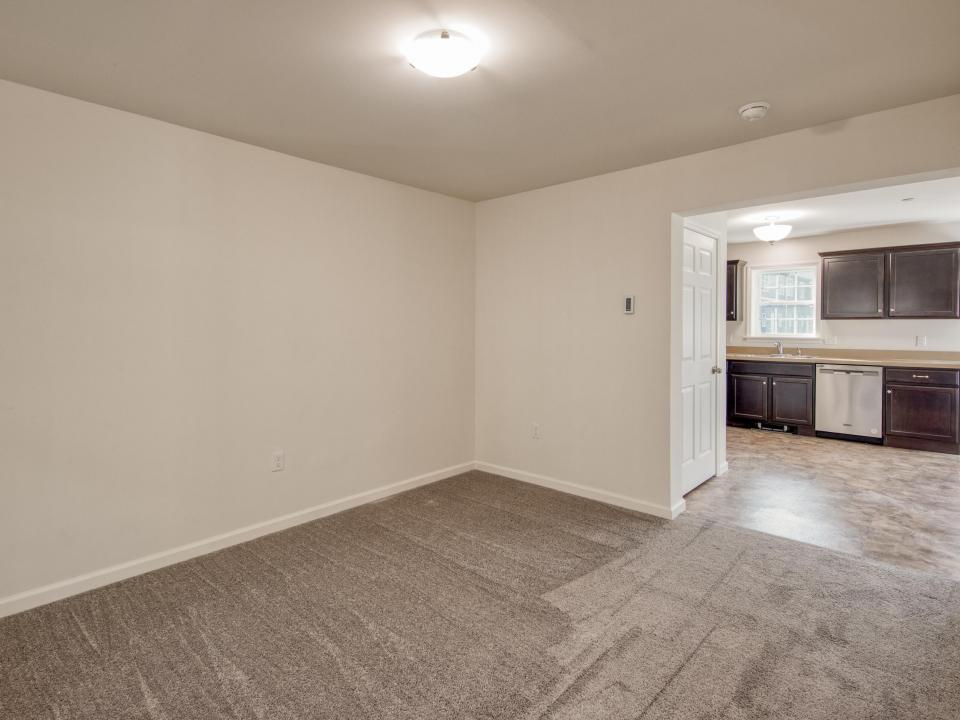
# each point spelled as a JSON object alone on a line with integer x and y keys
{"x": 779, "y": 344}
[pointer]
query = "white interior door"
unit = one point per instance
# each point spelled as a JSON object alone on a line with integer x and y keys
{"x": 698, "y": 385}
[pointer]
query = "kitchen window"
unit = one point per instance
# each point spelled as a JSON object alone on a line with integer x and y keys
{"x": 783, "y": 301}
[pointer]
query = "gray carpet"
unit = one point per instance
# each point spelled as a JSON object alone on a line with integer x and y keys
{"x": 480, "y": 597}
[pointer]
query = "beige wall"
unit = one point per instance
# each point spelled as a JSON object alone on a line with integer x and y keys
{"x": 553, "y": 346}
{"x": 899, "y": 334}
{"x": 175, "y": 306}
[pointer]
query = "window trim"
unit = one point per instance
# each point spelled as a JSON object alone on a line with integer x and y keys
{"x": 752, "y": 331}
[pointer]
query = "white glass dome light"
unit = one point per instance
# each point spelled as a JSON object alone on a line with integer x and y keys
{"x": 444, "y": 53}
{"x": 772, "y": 233}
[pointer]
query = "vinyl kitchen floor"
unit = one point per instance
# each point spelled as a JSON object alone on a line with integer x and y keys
{"x": 897, "y": 506}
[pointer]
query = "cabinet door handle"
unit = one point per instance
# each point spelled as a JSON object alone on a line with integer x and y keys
{"x": 774, "y": 384}
{"x": 889, "y": 392}
{"x": 921, "y": 377}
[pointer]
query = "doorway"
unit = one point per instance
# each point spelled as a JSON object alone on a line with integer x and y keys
{"x": 791, "y": 472}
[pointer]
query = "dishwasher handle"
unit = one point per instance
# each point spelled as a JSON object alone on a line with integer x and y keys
{"x": 841, "y": 370}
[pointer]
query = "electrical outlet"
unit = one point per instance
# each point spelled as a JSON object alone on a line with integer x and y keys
{"x": 536, "y": 431}
{"x": 278, "y": 461}
{"x": 921, "y": 340}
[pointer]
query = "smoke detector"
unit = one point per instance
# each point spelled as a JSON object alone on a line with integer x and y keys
{"x": 751, "y": 112}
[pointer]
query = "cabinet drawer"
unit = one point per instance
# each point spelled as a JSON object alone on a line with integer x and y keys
{"x": 921, "y": 376}
{"x": 748, "y": 367}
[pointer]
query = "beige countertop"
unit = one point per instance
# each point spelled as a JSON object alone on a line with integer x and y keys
{"x": 868, "y": 357}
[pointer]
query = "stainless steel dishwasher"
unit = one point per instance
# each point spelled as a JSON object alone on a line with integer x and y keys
{"x": 850, "y": 401}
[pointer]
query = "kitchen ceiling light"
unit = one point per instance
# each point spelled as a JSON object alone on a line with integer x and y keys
{"x": 443, "y": 53}
{"x": 772, "y": 233}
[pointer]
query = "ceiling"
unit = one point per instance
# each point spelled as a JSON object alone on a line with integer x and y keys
{"x": 934, "y": 201}
{"x": 568, "y": 88}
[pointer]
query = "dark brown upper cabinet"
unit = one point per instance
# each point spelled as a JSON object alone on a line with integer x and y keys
{"x": 923, "y": 283}
{"x": 852, "y": 286}
{"x": 915, "y": 281}
{"x": 734, "y": 299}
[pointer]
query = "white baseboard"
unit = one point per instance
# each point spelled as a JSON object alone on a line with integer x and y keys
{"x": 722, "y": 468}
{"x": 28, "y": 599}
{"x": 583, "y": 491}
{"x": 81, "y": 583}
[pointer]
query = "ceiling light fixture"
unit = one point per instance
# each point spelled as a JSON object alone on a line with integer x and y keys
{"x": 444, "y": 53}
{"x": 772, "y": 232}
{"x": 751, "y": 112}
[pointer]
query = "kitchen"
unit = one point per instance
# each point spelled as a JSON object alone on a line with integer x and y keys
{"x": 903, "y": 400}
{"x": 842, "y": 372}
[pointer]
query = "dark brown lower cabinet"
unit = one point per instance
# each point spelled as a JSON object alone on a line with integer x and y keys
{"x": 755, "y": 394}
{"x": 922, "y": 416}
{"x": 791, "y": 400}
{"x": 748, "y": 396}
{"x": 921, "y": 405}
